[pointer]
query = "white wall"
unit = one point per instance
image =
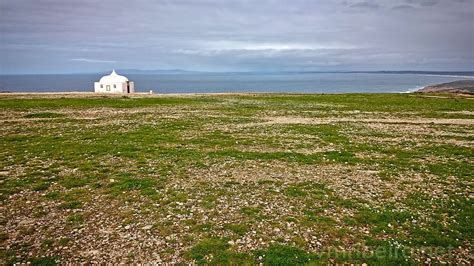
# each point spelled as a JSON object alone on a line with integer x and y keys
{"x": 120, "y": 87}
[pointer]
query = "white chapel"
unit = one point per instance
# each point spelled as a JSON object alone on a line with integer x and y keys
{"x": 114, "y": 83}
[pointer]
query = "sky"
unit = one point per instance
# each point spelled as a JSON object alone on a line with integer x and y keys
{"x": 66, "y": 36}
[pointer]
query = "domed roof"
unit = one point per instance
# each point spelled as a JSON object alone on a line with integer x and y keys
{"x": 113, "y": 77}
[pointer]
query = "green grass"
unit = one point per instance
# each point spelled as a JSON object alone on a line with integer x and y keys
{"x": 3, "y": 236}
{"x": 207, "y": 170}
{"x": 72, "y": 182}
{"x": 384, "y": 220}
{"x": 125, "y": 183}
{"x": 295, "y": 191}
{"x": 75, "y": 219}
{"x": 43, "y": 261}
{"x": 41, "y": 185}
{"x": 206, "y": 227}
{"x": 64, "y": 241}
{"x": 74, "y": 204}
{"x": 103, "y": 101}
{"x": 285, "y": 255}
{"x": 454, "y": 231}
{"x": 250, "y": 211}
{"x": 238, "y": 229}
{"x": 220, "y": 252}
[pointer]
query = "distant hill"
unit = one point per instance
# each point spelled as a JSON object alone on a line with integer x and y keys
{"x": 181, "y": 71}
{"x": 441, "y": 73}
{"x": 156, "y": 71}
{"x": 460, "y": 86}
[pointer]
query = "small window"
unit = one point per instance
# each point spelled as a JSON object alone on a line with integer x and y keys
{"x": 101, "y": 86}
{"x": 115, "y": 86}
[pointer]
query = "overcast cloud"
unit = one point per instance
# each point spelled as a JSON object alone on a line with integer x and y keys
{"x": 63, "y": 36}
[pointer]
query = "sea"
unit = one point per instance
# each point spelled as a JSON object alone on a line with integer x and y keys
{"x": 306, "y": 82}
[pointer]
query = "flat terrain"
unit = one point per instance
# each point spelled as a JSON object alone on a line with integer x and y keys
{"x": 237, "y": 179}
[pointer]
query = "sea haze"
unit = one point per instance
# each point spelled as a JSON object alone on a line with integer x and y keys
{"x": 306, "y": 82}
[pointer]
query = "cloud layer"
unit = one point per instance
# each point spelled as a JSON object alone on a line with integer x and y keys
{"x": 53, "y": 36}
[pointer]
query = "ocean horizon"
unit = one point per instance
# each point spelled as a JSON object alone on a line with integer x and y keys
{"x": 205, "y": 82}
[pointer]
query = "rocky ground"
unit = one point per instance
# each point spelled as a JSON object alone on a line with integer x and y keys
{"x": 236, "y": 179}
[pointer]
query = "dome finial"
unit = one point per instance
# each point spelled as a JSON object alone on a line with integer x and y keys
{"x": 113, "y": 77}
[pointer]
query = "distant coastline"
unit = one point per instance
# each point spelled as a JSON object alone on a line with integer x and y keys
{"x": 459, "y": 86}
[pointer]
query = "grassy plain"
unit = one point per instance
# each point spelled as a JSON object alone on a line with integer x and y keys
{"x": 237, "y": 179}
